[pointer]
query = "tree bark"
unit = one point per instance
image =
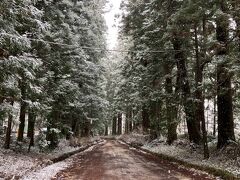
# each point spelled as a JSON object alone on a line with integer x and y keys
{"x": 127, "y": 122}
{"x": 193, "y": 130}
{"x": 9, "y": 130}
{"x": 170, "y": 113}
{"x": 1, "y": 117}
{"x": 31, "y": 126}
{"x": 119, "y": 127}
{"x": 214, "y": 116}
{"x": 106, "y": 130}
{"x": 1, "y": 123}
{"x": 52, "y": 136}
{"x": 114, "y": 126}
{"x": 224, "y": 89}
{"x": 75, "y": 128}
{"x": 130, "y": 120}
{"x": 86, "y": 131}
{"x": 145, "y": 119}
{"x": 238, "y": 31}
{"x": 199, "y": 83}
{"x": 135, "y": 120}
{"x": 199, "y": 109}
{"x": 23, "y": 109}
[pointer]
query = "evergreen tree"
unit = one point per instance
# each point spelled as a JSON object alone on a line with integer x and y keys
{"x": 53, "y": 76}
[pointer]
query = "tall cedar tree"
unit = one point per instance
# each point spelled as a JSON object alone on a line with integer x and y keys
{"x": 224, "y": 83}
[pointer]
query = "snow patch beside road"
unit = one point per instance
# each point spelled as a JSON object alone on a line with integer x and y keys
{"x": 187, "y": 152}
{"x": 15, "y": 165}
{"x": 47, "y": 172}
{"x": 18, "y": 165}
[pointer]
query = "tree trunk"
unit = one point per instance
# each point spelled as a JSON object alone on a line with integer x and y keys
{"x": 31, "y": 124}
{"x": 23, "y": 109}
{"x": 75, "y": 128}
{"x": 127, "y": 121}
{"x": 106, "y": 130}
{"x": 199, "y": 109}
{"x": 193, "y": 130}
{"x": 154, "y": 115}
{"x": 86, "y": 131}
{"x": 9, "y": 130}
{"x": 214, "y": 116}
{"x": 170, "y": 114}
{"x": 114, "y": 126}
{"x": 135, "y": 119}
{"x": 224, "y": 89}
{"x": 238, "y": 31}
{"x": 130, "y": 120}
{"x": 145, "y": 119}
{"x": 1, "y": 117}
{"x": 119, "y": 132}
{"x": 199, "y": 83}
{"x": 52, "y": 135}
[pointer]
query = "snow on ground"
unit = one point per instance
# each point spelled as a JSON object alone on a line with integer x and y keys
{"x": 187, "y": 152}
{"x": 67, "y": 146}
{"x": 15, "y": 165}
{"x": 195, "y": 157}
{"x": 63, "y": 147}
{"x": 48, "y": 172}
{"x": 20, "y": 163}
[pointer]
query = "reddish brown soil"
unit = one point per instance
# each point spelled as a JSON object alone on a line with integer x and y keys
{"x": 115, "y": 161}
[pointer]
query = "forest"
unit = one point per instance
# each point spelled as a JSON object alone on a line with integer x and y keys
{"x": 172, "y": 78}
{"x": 182, "y": 62}
{"x": 50, "y": 83}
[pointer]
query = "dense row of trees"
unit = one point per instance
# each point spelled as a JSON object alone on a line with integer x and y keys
{"x": 47, "y": 76}
{"x": 177, "y": 54}
{"x": 180, "y": 53}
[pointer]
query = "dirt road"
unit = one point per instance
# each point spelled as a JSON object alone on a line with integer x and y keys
{"x": 115, "y": 161}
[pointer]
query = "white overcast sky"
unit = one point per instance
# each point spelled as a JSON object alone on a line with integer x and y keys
{"x": 113, "y": 8}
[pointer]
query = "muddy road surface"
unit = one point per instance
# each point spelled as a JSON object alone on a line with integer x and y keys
{"x": 115, "y": 161}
